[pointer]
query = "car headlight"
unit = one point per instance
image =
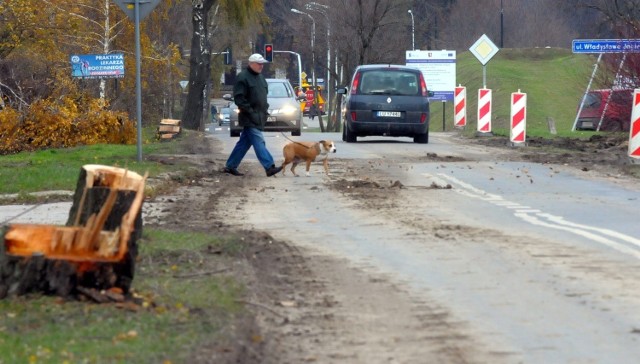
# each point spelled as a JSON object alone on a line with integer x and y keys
{"x": 288, "y": 110}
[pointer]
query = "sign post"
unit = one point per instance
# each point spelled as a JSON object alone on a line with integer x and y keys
{"x": 138, "y": 10}
{"x": 484, "y": 50}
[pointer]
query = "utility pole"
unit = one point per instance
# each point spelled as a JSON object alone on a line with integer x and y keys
{"x": 501, "y": 24}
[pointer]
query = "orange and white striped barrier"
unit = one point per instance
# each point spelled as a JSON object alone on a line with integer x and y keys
{"x": 634, "y": 130}
{"x": 460, "y": 106}
{"x": 484, "y": 110}
{"x": 518, "y": 117}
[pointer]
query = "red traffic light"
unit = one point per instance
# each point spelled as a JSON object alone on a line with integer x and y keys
{"x": 268, "y": 52}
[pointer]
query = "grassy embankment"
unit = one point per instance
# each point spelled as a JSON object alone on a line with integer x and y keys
{"x": 553, "y": 79}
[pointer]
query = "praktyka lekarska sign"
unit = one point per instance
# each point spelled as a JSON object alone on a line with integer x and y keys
{"x": 98, "y": 65}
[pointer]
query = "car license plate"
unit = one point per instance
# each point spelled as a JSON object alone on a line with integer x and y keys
{"x": 587, "y": 124}
{"x": 271, "y": 119}
{"x": 389, "y": 114}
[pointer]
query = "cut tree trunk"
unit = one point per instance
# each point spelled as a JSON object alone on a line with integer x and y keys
{"x": 96, "y": 249}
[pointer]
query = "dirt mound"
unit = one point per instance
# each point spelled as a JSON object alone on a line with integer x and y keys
{"x": 606, "y": 153}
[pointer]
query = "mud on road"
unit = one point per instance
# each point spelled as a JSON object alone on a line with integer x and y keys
{"x": 303, "y": 306}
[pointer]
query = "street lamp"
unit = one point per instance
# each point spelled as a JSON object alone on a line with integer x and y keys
{"x": 313, "y": 6}
{"x": 313, "y": 57}
{"x": 413, "y": 34}
{"x": 313, "y": 40}
{"x": 501, "y": 25}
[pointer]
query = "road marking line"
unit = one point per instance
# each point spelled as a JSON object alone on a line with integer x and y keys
{"x": 593, "y": 233}
{"x": 597, "y": 238}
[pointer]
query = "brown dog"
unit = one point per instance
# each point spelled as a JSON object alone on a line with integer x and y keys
{"x": 296, "y": 152}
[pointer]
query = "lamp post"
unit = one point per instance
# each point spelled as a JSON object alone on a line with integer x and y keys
{"x": 501, "y": 25}
{"x": 413, "y": 34}
{"x": 313, "y": 60}
{"x": 313, "y": 6}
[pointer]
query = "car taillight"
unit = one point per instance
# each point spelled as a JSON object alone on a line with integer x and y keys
{"x": 423, "y": 118}
{"x": 353, "y": 116}
{"x": 354, "y": 85}
{"x": 423, "y": 85}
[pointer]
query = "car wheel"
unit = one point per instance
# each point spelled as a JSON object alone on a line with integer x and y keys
{"x": 234, "y": 133}
{"x": 421, "y": 138}
{"x": 349, "y": 137}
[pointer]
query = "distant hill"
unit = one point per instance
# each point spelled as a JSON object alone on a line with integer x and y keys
{"x": 554, "y": 80}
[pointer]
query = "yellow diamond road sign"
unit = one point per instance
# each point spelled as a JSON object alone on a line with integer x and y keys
{"x": 484, "y": 49}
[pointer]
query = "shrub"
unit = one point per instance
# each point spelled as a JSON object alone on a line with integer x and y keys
{"x": 62, "y": 123}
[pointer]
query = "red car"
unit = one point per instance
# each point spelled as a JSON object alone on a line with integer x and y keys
{"x": 613, "y": 107}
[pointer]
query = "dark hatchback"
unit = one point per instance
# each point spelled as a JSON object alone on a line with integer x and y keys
{"x": 386, "y": 100}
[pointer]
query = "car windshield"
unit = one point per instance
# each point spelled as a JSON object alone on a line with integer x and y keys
{"x": 592, "y": 100}
{"x": 225, "y": 111}
{"x": 388, "y": 82}
{"x": 278, "y": 89}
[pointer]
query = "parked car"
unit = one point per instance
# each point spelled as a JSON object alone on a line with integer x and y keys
{"x": 612, "y": 106}
{"x": 284, "y": 109}
{"x": 386, "y": 100}
{"x": 224, "y": 116}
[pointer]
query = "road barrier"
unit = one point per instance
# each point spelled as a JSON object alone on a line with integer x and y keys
{"x": 484, "y": 111}
{"x": 460, "y": 106}
{"x": 518, "y": 117}
{"x": 634, "y": 130}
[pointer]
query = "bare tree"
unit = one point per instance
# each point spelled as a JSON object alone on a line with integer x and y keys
{"x": 620, "y": 19}
{"x": 532, "y": 23}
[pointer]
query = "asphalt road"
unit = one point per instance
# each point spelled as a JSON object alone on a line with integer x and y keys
{"x": 537, "y": 263}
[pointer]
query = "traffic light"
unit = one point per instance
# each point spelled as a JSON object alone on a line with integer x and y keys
{"x": 268, "y": 52}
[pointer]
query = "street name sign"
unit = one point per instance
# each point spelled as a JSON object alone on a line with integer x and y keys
{"x": 606, "y": 45}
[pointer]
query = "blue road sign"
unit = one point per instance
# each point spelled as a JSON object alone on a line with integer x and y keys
{"x": 606, "y": 46}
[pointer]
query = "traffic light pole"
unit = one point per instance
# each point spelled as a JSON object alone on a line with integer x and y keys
{"x": 299, "y": 65}
{"x": 227, "y": 57}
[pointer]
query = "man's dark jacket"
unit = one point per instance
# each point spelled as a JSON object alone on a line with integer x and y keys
{"x": 250, "y": 94}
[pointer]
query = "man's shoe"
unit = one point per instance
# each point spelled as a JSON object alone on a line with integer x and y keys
{"x": 273, "y": 170}
{"x": 232, "y": 171}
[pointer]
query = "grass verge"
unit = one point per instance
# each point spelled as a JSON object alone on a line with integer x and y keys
{"x": 57, "y": 169}
{"x": 187, "y": 299}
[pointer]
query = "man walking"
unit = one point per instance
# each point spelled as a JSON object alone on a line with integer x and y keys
{"x": 250, "y": 94}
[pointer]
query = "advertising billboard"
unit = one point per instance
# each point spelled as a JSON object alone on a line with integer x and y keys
{"x": 439, "y": 70}
{"x": 97, "y": 65}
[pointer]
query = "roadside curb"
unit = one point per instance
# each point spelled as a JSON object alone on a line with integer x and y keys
{"x": 13, "y": 196}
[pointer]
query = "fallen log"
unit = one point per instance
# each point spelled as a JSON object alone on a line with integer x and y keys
{"x": 96, "y": 249}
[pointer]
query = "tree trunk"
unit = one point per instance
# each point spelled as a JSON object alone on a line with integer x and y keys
{"x": 200, "y": 66}
{"x": 96, "y": 249}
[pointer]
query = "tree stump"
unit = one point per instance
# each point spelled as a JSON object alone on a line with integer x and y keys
{"x": 96, "y": 249}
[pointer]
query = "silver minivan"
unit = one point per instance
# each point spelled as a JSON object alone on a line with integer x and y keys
{"x": 386, "y": 100}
